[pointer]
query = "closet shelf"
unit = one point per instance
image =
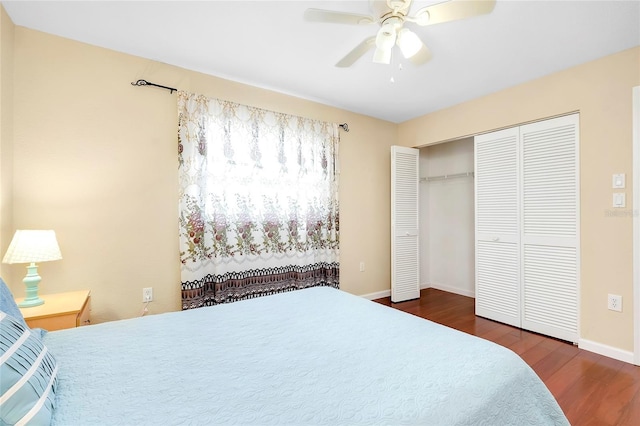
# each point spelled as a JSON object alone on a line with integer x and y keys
{"x": 443, "y": 177}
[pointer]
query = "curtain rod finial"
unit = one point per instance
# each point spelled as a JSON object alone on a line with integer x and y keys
{"x": 344, "y": 126}
{"x": 148, "y": 83}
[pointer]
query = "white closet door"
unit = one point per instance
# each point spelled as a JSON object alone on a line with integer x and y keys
{"x": 497, "y": 226}
{"x": 405, "y": 267}
{"x": 550, "y": 227}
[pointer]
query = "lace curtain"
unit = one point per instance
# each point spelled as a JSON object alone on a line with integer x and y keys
{"x": 258, "y": 201}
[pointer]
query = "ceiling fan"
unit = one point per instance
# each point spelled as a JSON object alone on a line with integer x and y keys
{"x": 391, "y": 15}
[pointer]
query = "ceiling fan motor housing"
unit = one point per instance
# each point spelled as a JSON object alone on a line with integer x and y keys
{"x": 393, "y": 20}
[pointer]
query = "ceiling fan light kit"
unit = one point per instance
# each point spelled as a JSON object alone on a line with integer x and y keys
{"x": 385, "y": 39}
{"x": 422, "y": 17}
{"x": 391, "y": 16}
{"x": 382, "y": 56}
{"x": 409, "y": 43}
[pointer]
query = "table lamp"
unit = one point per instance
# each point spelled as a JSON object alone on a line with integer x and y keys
{"x": 31, "y": 246}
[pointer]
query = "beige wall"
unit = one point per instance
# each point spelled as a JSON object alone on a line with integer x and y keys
{"x": 6, "y": 137}
{"x": 601, "y": 92}
{"x": 95, "y": 159}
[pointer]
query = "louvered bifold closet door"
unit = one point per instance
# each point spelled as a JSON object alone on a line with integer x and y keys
{"x": 497, "y": 226}
{"x": 405, "y": 269}
{"x": 550, "y": 227}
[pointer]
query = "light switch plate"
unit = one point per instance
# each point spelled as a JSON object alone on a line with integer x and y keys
{"x": 619, "y": 199}
{"x": 618, "y": 181}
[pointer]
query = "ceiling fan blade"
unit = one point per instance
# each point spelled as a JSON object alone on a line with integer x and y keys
{"x": 319, "y": 15}
{"x": 356, "y": 53}
{"x": 453, "y": 10}
{"x": 423, "y": 55}
{"x": 379, "y": 7}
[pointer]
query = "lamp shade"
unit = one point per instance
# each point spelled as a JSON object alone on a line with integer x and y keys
{"x": 33, "y": 246}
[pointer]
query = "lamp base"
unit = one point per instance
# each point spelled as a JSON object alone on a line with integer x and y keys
{"x": 31, "y": 281}
{"x": 29, "y": 303}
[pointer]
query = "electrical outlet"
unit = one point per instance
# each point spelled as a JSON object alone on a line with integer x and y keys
{"x": 362, "y": 266}
{"x": 615, "y": 302}
{"x": 147, "y": 294}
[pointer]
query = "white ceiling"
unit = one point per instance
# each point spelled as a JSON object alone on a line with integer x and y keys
{"x": 268, "y": 44}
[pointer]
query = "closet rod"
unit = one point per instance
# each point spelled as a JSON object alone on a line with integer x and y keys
{"x": 443, "y": 177}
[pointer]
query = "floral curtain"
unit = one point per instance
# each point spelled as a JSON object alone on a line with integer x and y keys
{"x": 258, "y": 201}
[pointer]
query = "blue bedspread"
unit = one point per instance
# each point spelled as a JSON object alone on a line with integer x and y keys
{"x": 314, "y": 356}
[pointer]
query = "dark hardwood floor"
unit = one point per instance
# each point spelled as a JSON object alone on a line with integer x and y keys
{"x": 591, "y": 389}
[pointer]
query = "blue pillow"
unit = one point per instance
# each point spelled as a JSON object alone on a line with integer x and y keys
{"x": 8, "y": 303}
{"x": 8, "y": 306}
{"x": 28, "y": 375}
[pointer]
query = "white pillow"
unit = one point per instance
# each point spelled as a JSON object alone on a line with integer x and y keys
{"x": 28, "y": 375}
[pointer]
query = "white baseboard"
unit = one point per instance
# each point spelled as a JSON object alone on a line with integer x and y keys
{"x": 387, "y": 293}
{"x": 606, "y": 350}
{"x": 450, "y": 289}
{"x": 377, "y": 295}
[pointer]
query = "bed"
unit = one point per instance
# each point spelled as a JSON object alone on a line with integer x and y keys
{"x": 318, "y": 356}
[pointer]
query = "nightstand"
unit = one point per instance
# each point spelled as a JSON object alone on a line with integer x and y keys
{"x": 61, "y": 310}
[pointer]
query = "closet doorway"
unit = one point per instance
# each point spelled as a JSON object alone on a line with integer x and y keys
{"x": 446, "y": 205}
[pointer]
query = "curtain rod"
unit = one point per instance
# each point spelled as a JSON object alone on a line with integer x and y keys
{"x": 343, "y": 126}
{"x": 146, "y": 83}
